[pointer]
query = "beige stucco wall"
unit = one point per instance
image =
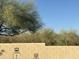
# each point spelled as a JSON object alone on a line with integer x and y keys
{"x": 27, "y": 51}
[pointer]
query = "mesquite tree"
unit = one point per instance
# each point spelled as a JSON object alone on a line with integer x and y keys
{"x": 16, "y": 15}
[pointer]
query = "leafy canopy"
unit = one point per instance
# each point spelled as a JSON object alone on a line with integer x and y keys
{"x": 17, "y": 15}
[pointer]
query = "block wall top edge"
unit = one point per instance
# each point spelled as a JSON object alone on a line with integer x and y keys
{"x": 42, "y": 44}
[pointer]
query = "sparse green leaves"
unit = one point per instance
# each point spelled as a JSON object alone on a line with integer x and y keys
{"x": 15, "y": 14}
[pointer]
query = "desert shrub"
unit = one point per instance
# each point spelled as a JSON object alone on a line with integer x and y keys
{"x": 68, "y": 38}
{"x": 47, "y": 36}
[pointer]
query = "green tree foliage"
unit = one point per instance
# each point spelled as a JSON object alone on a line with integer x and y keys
{"x": 47, "y": 36}
{"x": 16, "y": 15}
